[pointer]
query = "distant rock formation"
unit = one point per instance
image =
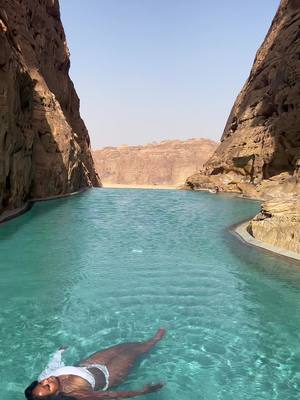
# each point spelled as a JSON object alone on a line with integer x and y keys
{"x": 44, "y": 144}
{"x": 165, "y": 163}
{"x": 260, "y": 146}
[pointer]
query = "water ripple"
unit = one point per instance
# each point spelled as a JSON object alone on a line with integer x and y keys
{"x": 112, "y": 266}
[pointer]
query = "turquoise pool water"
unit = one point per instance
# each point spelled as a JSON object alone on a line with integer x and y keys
{"x": 114, "y": 265}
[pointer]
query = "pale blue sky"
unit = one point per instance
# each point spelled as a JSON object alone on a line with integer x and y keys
{"x": 149, "y": 70}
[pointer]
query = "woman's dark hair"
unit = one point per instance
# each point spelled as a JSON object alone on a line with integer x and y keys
{"x": 30, "y": 396}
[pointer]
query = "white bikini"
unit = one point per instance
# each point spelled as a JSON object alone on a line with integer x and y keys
{"x": 56, "y": 367}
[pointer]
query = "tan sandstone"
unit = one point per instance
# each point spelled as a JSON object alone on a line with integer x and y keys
{"x": 278, "y": 224}
{"x": 259, "y": 154}
{"x": 261, "y": 141}
{"x": 156, "y": 164}
{"x": 44, "y": 144}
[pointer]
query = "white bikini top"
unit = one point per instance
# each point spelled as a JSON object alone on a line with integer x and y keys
{"x": 83, "y": 372}
{"x": 56, "y": 367}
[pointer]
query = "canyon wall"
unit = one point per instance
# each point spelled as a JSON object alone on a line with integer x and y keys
{"x": 260, "y": 147}
{"x": 165, "y": 163}
{"x": 259, "y": 153}
{"x": 44, "y": 144}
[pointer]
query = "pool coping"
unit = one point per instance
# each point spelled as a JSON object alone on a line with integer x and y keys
{"x": 240, "y": 231}
{"x": 16, "y": 212}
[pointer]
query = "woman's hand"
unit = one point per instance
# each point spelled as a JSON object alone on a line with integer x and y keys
{"x": 152, "y": 387}
{"x": 63, "y": 348}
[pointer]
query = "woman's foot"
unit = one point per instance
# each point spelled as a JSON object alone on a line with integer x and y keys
{"x": 159, "y": 334}
{"x": 156, "y": 338}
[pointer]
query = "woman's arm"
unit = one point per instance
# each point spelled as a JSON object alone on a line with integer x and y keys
{"x": 54, "y": 363}
{"x": 115, "y": 395}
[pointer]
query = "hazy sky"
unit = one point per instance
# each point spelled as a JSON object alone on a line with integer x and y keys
{"x": 149, "y": 70}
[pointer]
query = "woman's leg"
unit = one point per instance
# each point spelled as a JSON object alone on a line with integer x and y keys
{"x": 120, "y": 366}
{"x": 127, "y": 351}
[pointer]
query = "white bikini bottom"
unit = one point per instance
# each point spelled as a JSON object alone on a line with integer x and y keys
{"x": 105, "y": 372}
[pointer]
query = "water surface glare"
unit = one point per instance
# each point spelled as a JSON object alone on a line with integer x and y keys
{"x": 113, "y": 265}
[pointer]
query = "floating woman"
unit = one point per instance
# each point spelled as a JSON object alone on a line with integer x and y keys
{"x": 94, "y": 376}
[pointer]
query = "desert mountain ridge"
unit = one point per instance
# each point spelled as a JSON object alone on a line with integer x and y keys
{"x": 165, "y": 163}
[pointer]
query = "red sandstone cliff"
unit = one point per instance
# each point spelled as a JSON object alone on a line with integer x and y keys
{"x": 165, "y": 163}
{"x": 44, "y": 144}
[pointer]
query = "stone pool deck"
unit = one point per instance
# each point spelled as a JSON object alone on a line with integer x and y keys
{"x": 241, "y": 232}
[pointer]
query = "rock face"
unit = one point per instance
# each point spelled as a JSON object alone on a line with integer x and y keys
{"x": 165, "y": 163}
{"x": 261, "y": 141}
{"x": 278, "y": 224}
{"x": 259, "y": 154}
{"x": 44, "y": 144}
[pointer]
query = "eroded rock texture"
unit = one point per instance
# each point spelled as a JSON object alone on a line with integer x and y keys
{"x": 44, "y": 144}
{"x": 261, "y": 141}
{"x": 278, "y": 224}
{"x": 165, "y": 163}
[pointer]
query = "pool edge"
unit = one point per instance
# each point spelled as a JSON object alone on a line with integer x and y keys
{"x": 16, "y": 212}
{"x": 240, "y": 231}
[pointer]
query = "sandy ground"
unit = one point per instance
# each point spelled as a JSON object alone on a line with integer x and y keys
{"x": 121, "y": 186}
{"x": 242, "y": 233}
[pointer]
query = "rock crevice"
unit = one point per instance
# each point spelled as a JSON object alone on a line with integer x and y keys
{"x": 44, "y": 144}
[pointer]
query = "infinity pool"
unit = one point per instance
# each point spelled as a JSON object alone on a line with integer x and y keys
{"x": 109, "y": 266}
